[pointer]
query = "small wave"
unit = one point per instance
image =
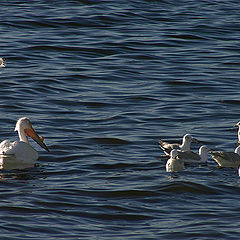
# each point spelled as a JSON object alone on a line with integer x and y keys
{"x": 183, "y": 83}
{"x": 116, "y": 217}
{"x": 114, "y": 166}
{"x": 110, "y": 141}
{"x": 232, "y": 102}
{"x": 182, "y": 186}
{"x": 186, "y": 36}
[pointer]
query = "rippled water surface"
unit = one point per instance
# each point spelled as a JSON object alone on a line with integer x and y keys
{"x": 102, "y": 81}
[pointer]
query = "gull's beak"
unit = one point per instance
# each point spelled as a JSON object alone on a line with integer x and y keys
{"x": 195, "y": 140}
{"x": 211, "y": 150}
{"x": 236, "y": 125}
{"x": 31, "y": 133}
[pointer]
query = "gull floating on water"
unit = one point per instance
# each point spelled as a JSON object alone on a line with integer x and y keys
{"x": 21, "y": 151}
{"x": 185, "y": 146}
{"x": 191, "y": 157}
{"x": 2, "y": 62}
{"x": 227, "y": 159}
{"x": 174, "y": 164}
{"x": 238, "y": 125}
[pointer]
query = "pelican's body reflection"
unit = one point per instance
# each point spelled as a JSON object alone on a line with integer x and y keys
{"x": 12, "y": 169}
{"x": 9, "y": 162}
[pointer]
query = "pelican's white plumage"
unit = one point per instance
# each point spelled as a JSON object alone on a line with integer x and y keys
{"x": 227, "y": 159}
{"x": 21, "y": 151}
{"x": 174, "y": 164}
{"x": 2, "y": 62}
{"x": 185, "y": 146}
{"x": 191, "y": 157}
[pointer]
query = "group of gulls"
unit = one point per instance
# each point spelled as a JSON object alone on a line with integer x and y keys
{"x": 21, "y": 152}
{"x": 179, "y": 154}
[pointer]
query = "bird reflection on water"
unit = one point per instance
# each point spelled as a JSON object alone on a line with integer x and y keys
{"x": 11, "y": 170}
{"x": 8, "y": 162}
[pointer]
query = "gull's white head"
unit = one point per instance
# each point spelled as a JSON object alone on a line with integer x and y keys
{"x": 237, "y": 150}
{"x": 203, "y": 152}
{"x": 203, "y": 149}
{"x": 238, "y": 125}
{"x": 24, "y": 126}
{"x": 188, "y": 138}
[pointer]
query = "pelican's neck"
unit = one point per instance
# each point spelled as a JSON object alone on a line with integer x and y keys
{"x": 203, "y": 155}
{"x": 22, "y": 135}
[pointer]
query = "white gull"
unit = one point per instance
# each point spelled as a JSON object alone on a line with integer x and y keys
{"x": 174, "y": 164}
{"x": 191, "y": 157}
{"x": 227, "y": 159}
{"x": 185, "y": 146}
{"x": 238, "y": 125}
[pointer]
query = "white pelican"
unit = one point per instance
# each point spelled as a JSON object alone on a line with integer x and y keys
{"x": 227, "y": 159}
{"x": 174, "y": 164}
{"x": 21, "y": 151}
{"x": 2, "y": 62}
{"x": 191, "y": 157}
{"x": 185, "y": 146}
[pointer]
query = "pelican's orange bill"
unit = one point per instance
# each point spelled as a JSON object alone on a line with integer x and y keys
{"x": 31, "y": 133}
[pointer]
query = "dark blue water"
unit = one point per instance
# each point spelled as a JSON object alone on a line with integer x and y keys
{"x": 102, "y": 81}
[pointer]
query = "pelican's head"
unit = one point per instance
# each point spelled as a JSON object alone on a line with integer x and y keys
{"x": 24, "y": 124}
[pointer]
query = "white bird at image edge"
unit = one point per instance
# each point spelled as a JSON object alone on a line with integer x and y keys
{"x": 2, "y": 62}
